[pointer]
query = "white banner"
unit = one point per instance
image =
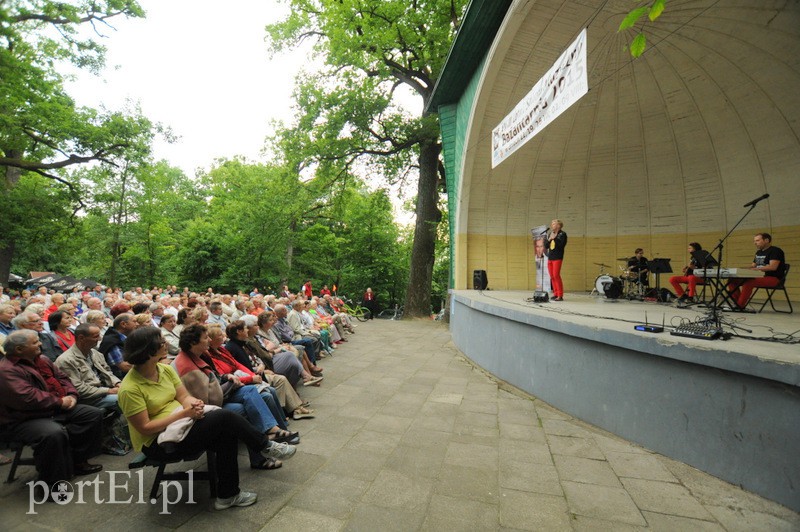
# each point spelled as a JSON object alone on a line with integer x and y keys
{"x": 562, "y": 85}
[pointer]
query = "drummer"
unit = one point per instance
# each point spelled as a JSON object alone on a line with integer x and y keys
{"x": 637, "y": 265}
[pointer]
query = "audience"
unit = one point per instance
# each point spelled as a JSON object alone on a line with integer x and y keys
{"x": 88, "y": 367}
{"x": 113, "y": 341}
{"x": 152, "y": 397}
{"x": 39, "y": 407}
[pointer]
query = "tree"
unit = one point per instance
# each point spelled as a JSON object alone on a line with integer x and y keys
{"x": 134, "y": 217}
{"x": 349, "y": 110}
{"x": 41, "y": 129}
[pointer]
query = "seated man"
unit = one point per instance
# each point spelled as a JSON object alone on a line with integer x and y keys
{"x": 113, "y": 340}
{"x": 86, "y": 367}
{"x": 39, "y": 406}
{"x": 637, "y": 266}
{"x": 770, "y": 260}
{"x": 292, "y": 333}
{"x": 216, "y": 315}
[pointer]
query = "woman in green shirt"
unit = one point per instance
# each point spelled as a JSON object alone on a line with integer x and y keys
{"x": 152, "y": 397}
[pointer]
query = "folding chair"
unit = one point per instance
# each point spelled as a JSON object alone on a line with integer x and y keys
{"x": 18, "y": 459}
{"x": 771, "y": 291}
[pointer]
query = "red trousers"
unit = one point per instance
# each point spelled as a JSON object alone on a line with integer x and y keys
{"x": 554, "y": 269}
{"x": 691, "y": 280}
{"x": 741, "y": 293}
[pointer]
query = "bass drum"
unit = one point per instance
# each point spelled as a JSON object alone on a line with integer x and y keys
{"x": 601, "y": 282}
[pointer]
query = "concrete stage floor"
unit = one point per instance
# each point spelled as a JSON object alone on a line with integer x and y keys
{"x": 620, "y": 316}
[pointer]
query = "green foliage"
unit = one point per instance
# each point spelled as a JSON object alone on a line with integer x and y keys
{"x": 638, "y": 45}
{"x": 653, "y": 10}
{"x": 37, "y": 214}
{"x": 348, "y": 116}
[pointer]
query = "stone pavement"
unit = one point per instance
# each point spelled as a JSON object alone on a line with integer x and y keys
{"x": 410, "y": 436}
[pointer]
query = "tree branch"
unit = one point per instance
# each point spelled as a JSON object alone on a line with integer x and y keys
{"x": 36, "y": 166}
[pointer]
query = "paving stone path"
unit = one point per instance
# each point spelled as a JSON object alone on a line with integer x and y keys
{"x": 411, "y": 436}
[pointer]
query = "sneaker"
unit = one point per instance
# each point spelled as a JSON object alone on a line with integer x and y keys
{"x": 683, "y": 298}
{"x": 281, "y": 451}
{"x": 244, "y": 498}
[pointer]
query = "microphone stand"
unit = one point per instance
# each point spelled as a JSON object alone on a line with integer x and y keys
{"x": 714, "y": 313}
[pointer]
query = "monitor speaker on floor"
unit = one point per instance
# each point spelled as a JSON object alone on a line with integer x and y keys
{"x": 479, "y": 280}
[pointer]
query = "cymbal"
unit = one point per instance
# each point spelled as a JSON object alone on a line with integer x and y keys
{"x": 601, "y": 264}
{"x": 624, "y": 258}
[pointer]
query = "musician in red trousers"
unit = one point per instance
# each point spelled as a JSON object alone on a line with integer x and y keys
{"x": 770, "y": 260}
{"x": 687, "y": 278}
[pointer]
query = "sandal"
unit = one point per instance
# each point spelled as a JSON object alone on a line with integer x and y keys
{"x": 268, "y": 464}
{"x": 5, "y": 460}
{"x": 303, "y": 413}
{"x": 283, "y": 436}
{"x": 312, "y": 382}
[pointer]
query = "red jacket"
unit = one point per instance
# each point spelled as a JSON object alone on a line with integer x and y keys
{"x": 225, "y": 363}
{"x": 23, "y": 391}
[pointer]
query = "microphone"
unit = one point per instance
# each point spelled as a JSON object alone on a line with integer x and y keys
{"x": 752, "y": 203}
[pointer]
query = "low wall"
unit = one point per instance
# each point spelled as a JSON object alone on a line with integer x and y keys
{"x": 735, "y": 416}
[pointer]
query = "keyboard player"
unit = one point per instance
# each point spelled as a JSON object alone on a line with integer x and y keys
{"x": 770, "y": 260}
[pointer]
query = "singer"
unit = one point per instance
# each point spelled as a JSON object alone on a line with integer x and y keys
{"x": 556, "y": 242}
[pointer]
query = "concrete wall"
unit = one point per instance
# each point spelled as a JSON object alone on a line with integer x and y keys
{"x": 733, "y": 415}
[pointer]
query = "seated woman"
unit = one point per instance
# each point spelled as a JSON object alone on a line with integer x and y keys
{"x": 199, "y": 374}
{"x": 226, "y": 363}
{"x": 152, "y": 397}
{"x": 321, "y": 318}
{"x": 282, "y": 356}
{"x": 247, "y": 354}
{"x": 60, "y": 338}
{"x": 168, "y": 324}
{"x": 185, "y": 319}
{"x": 143, "y": 319}
{"x": 98, "y": 319}
{"x": 318, "y": 330}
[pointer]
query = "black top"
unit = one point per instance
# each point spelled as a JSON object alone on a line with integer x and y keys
{"x": 556, "y": 245}
{"x": 765, "y": 256}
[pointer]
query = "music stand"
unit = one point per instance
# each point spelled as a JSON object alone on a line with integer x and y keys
{"x": 657, "y": 267}
{"x": 703, "y": 260}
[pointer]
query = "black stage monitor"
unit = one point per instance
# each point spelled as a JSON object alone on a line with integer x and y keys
{"x": 479, "y": 280}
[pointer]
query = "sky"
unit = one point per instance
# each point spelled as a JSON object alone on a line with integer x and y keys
{"x": 201, "y": 68}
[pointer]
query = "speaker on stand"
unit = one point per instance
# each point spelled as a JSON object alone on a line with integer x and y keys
{"x": 479, "y": 280}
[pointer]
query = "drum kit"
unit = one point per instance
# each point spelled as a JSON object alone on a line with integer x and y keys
{"x": 626, "y": 284}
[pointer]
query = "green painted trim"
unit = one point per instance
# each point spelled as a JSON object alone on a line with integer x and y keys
{"x": 454, "y": 121}
{"x": 478, "y": 28}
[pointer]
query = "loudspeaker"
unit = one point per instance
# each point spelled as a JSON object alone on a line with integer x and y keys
{"x": 541, "y": 297}
{"x": 613, "y": 289}
{"x": 479, "y": 280}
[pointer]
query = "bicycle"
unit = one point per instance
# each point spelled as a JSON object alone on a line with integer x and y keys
{"x": 357, "y": 311}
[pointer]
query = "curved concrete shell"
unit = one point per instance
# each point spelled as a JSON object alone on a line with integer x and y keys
{"x": 664, "y": 149}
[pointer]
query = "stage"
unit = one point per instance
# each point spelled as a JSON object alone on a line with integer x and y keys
{"x": 728, "y": 407}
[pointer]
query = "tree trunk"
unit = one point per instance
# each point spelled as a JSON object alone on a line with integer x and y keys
{"x": 418, "y": 295}
{"x": 12, "y": 176}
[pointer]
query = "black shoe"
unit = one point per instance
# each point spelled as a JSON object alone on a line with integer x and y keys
{"x": 87, "y": 469}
